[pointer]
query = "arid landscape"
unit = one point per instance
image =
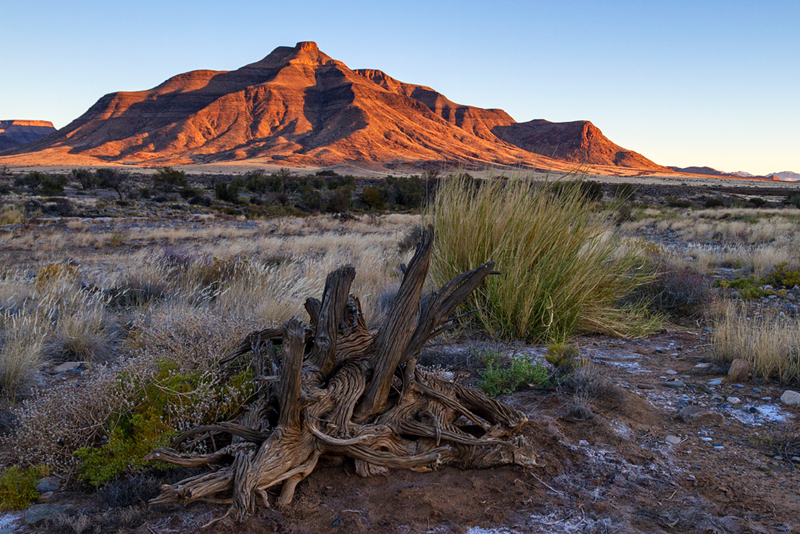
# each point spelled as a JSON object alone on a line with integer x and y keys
{"x": 118, "y": 305}
{"x": 296, "y": 297}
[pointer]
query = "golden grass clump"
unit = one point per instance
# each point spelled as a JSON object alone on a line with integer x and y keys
{"x": 22, "y": 342}
{"x": 12, "y": 214}
{"x": 766, "y": 338}
{"x": 563, "y": 269}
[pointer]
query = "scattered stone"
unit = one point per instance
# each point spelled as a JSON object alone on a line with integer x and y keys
{"x": 715, "y": 382}
{"x": 705, "y": 439}
{"x": 738, "y": 386}
{"x": 756, "y": 390}
{"x": 734, "y": 400}
{"x": 790, "y": 398}
{"x": 706, "y": 388}
{"x": 702, "y": 416}
{"x": 673, "y": 440}
{"x": 718, "y": 447}
{"x": 645, "y": 386}
{"x": 796, "y": 458}
{"x": 67, "y": 366}
{"x": 48, "y": 484}
{"x": 671, "y": 372}
{"x": 675, "y": 384}
{"x": 702, "y": 366}
{"x": 659, "y": 351}
{"x": 739, "y": 369}
{"x": 45, "y": 497}
{"x": 43, "y": 512}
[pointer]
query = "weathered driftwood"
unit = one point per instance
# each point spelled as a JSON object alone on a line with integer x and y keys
{"x": 336, "y": 389}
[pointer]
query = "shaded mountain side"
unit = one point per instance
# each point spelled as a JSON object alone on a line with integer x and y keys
{"x": 709, "y": 171}
{"x": 299, "y": 106}
{"x": 577, "y": 141}
{"x": 14, "y": 133}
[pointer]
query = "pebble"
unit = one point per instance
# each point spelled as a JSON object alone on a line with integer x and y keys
{"x": 659, "y": 351}
{"x": 756, "y": 390}
{"x": 702, "y": 366}
{"x": 673, "y": 440}
{"x": 671, "y": 372}
{"x": 738, "y": 386}
{"x": 718, "y": 447}
{"x": 734, "y": 400}
{"x": 796, "y": 458}
{"x": 790, "y": 398}
{"x": 705, "y": 439}
{"x": 48, "y": 484}
{"x": 715, "y": 382}
{"x": 67, "y": 366}
{"x": 675, "y": 384}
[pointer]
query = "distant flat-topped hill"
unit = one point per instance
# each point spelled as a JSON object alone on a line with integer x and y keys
{"x": 299, "y": 107}
{"x": 14, "y": 133}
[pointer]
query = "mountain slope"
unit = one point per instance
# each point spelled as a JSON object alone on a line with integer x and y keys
{"x": 16, "y": 132}
{"x": 299, "y": 106}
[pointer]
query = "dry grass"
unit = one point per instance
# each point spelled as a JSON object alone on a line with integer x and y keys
{"x": 764, "y": 337}
{"x": 563, "y": 269}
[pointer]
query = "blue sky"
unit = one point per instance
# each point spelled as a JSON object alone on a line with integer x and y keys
{"x": 683, "y": 82}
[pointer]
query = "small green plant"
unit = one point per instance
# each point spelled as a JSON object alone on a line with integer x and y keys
{"x": 783, "y": 276}
{"x": 564, "y": 357}
{"x": 18, "y": 486}
{"x": 497, "y": 379}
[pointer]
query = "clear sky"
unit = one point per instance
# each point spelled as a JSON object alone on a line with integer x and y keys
{"x": 683, "y": 82}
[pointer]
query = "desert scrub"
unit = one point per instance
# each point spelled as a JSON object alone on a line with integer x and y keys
{"x": 768, "y": 340}
{"x": 23, "y": 341}
{"x": 563, "y": 269}
{"x": 18, "y": 487}
{"x": 155, "y": 414}
{"x": 499, "y": 377}
{"x": 564, "y": 357}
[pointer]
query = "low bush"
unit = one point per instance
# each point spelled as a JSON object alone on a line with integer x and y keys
{"x": 86, "y": 178}
{"x": 18, "y": 487}
{"x": 499, "y": 378}
{"x": 339, "y": 201}
{"x": 712, "y": 203}
{"x": 374, "y": 197}
{"x": 562, "y": 268}
{"x": 565, "y": 358}
{"x": 169, "y": 179}
{"x": 226, "y": 192}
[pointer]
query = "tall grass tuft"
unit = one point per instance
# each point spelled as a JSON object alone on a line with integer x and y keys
{"x": 563, "y": 268}
{"x": 767, "y": 340}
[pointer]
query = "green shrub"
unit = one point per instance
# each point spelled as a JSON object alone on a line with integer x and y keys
{"x": 782, "y": 276}
{"x": 18, "y": 487}
{"x": 226, "y": 192}
{"x": 564, "y": 357}
{"x": 86, "y": 178}
{"x": 339, "y": 201}
{"x": 674, "y": 202}
{"x": 712, "y": 203}
{"x": 150, "y": 423}
{"x": 374, "y": 197}
{"x": 32, "y": 180}
{"x": 312, "y": 199}
{"x": 169, "y": 179}
{"x": 793, "y": 200}
{"x": 406, "y": 192}
{"x": 562, "y": 268}
{"x": 757, "y": 201}
{"x": 497, "y": 379}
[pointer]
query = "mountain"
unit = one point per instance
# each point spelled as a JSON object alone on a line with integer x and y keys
{"x": 787, "y": 176}
{"x": 298, "y": 106}
{"x": 15, "y": 132}
{"x": 701, "y": 170}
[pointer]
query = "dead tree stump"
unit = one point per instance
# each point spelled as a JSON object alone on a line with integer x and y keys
{"x": 337, "y": 389}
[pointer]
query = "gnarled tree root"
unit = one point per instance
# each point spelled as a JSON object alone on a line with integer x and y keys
{"x": 337, "y": 389}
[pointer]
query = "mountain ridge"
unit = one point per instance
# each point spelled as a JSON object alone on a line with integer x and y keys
{"x": 299, "y": 106}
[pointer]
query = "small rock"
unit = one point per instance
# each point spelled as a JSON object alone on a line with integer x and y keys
{"x": 734, "y": 400}
{"x": 739, "y": 369}
{"x": 796, "y": 458}
{"x": 645, "y": 386}
{"x": 675, "y": 384}
{"x": 715, "y": 382}
{"x": 48, "y": 484}
{"x": 706, "y": 388}
{"x": 43, "y": 512}
{"x": 45, "y": 497}
{"x": 702, "y": 416}
{"x": 756, "y": 390}
{"x": 336, "y": 522}
{"x": 790, "y": 398}
{"x": 702, "y": 366}
{"x": 673, "y": 440}
{"x": 659, "y": 351}
{"x": 705, "y": 439}
{"x": 739, "y": 386}
{"x": 67, "y": 366}
{"x": 718, "y": 447}
{"x": 671, "y": 372}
